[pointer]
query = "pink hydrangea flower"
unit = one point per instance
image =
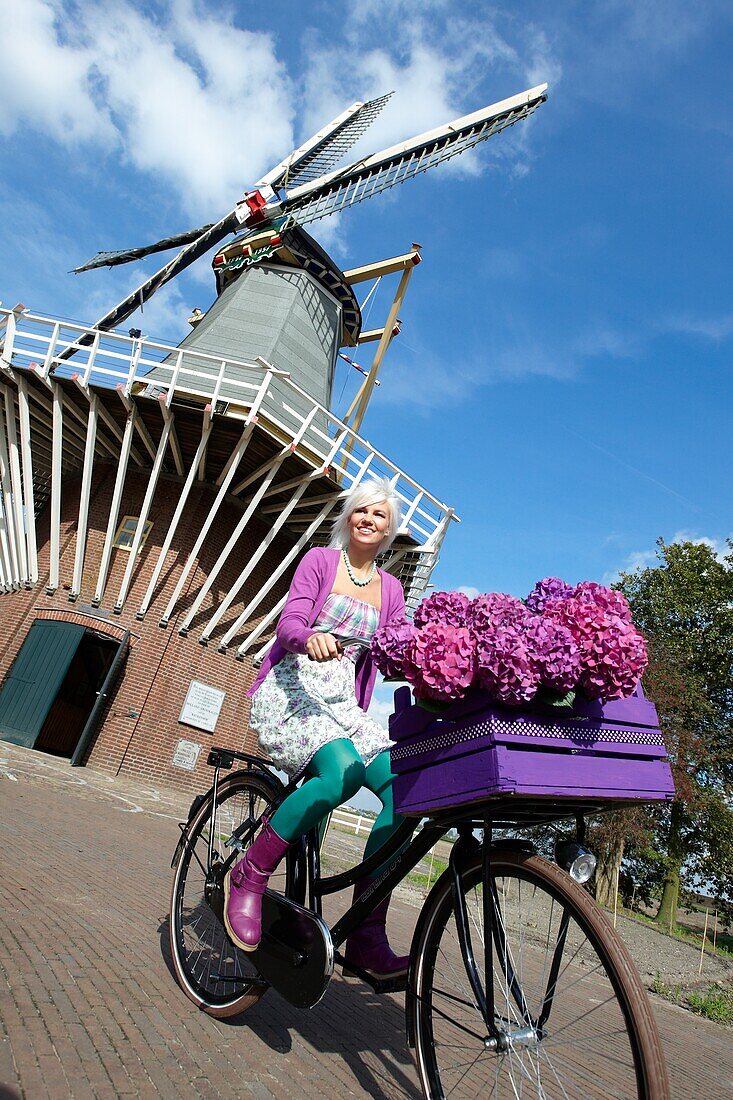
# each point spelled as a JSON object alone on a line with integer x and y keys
{"x": 388, "y": 647}
{"x": 607, "y": 598}
{"x": 555, "y": 652}
{"x": 549, "y": 588}
{"x": 496, "y": 609}
{"x": 440, "y": 661}
{"x": 506, "y": 667}
{"x": 612, "y": 651}
{"x": 615, "y": 662}
{"x": 448, "y": 608}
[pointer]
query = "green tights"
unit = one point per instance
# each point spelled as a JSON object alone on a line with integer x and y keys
{"x": 333, "y": 776}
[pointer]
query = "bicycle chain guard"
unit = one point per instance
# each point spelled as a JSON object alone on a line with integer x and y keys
{"x": 295, "y": 954}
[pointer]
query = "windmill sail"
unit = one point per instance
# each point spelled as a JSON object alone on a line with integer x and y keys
{"x": 126, "y": 255}
{"x": 356, "y": 182}
{"x": 308, "y": 198}
{"x": 326, "y": 148}
{"x": 188, "y": 255}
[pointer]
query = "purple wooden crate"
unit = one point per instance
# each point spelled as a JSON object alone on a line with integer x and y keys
{"x": 477, "y": 750}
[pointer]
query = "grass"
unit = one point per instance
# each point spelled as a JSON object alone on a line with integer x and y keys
{"x": 716, "y": 1003}
{"x": 417, "y": 878}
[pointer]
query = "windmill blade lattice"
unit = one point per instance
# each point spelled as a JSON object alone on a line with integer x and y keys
{"x": 330, "y": 150}
{"x": 127, "y": 255}
{"x": 390, "y": 167}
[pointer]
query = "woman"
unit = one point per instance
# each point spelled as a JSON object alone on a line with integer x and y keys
{"x": 308, "y": 707}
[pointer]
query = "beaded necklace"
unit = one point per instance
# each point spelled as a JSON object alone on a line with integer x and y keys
{"x": 352, "y": 575}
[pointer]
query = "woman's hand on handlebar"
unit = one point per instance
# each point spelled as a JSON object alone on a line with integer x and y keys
{"x": 323, "y": 647}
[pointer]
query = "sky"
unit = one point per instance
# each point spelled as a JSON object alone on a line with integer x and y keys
{"x": 563, "y": 376}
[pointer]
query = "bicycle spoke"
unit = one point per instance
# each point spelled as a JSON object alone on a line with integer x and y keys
{"x": 543, "y": 956}
{"x": 210, "y": 969}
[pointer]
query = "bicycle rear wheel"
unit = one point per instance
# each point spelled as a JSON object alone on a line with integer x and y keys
{"x": 576, "y": 1018}
{"x": 212, "y": 972}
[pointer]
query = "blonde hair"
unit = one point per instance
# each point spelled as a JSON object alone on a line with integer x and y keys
{"x": 369, "y": 492}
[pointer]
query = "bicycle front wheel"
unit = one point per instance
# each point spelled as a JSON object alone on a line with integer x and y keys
{"x": 572, "y": 1012}
{"x": 212, "y": 972}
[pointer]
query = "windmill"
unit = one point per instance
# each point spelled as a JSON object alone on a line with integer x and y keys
{"x": 178, "y": 485}
{"x": 280, "y": 296}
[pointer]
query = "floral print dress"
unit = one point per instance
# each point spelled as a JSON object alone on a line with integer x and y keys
{"x": 302, "y": 705}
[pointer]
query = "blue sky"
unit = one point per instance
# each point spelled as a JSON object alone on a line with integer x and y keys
{"x": 563, "y": 378}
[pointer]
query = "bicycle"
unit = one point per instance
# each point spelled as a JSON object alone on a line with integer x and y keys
{"x": 564, "y": 1012}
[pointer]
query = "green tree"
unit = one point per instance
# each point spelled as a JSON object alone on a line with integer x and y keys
{"x": 684, "y": 606}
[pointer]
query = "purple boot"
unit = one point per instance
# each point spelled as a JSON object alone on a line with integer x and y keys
{"x": 368, "y": 947}
{"x": 245, "y": 884}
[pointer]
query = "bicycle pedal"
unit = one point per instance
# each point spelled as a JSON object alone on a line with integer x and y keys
{"x": 397, "y": 984}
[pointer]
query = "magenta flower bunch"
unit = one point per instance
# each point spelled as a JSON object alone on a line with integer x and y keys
{"x": 562, "y": 638}
{"x": 389, "y": 646}
{"x": 496, "y": 609}
{"x": 440, "y": 661}
{"x": 549, "y": 588}
{"x": 614, "y": 663}
{"x": 615, "y": 603}
{"x": 448, "y": 608}
{"x": 613, "y": 653}
{"x": 555, "y": 652}
{"x": 506, "y": 665}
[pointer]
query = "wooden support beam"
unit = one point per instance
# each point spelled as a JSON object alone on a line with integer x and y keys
{"x": 290, "y": 449}
{"x": 129, "y": 402}
{"x": 235, "y": 459}
{"x": 7, "y": 531}
{"x": 82, "y": 527}
{"x": 114, "y": 512}
{"x": 237, "y": 532}
{"x": 175, "y": 446}
{"x": 182, "y": 501}
{"x": 361, "y": 401}
{"x": 144, "y": 512}
{"x": 371, "y": 336}
{"x": 383, "y": 267}
{"x": 110, "y": 422}
{"x": 16, "y": 486}
{"x": 102, "y": 442}
{"x": 56, "y": 455}
{"x": 260, "y": 629}
{"x": 261, "y": 549}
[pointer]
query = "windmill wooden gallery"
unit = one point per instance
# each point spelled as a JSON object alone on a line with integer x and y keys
{"x": 154, "y": 500}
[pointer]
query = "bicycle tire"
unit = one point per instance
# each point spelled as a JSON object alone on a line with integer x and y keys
{"x": 219, "y": 978}
{"x": 600, "y": 1039}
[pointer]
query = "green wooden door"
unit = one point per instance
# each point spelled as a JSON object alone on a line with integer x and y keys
{"x": 35, "y": 678}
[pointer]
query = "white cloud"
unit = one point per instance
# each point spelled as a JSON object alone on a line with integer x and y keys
{"x": 468, "y": 590}
{"x": 382, "y": 704}
{"x": 206, "y": 106}
{"x": 715, "y": 329}
{"x": 47, "y": 83}
{"x": 436, "y": 61}
{"x": 189, "y": 97}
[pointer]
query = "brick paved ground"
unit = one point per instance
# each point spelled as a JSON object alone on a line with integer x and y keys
{"x": 88, "y": 1007}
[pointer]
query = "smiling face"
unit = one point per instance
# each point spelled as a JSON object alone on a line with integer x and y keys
{"x": 368, "y": 525}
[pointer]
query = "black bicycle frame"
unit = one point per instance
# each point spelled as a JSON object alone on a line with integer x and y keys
{"x": 397, "y": 858}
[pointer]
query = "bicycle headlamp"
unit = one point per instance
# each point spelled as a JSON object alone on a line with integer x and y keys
{"x": 579, "y": 862}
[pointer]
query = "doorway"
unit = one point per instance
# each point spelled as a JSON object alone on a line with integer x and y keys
{"x": 60, "y": 675}
{"x": 77, "y": 695}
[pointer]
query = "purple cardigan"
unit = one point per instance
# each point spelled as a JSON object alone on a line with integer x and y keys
{"x": 312, "y": 583}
